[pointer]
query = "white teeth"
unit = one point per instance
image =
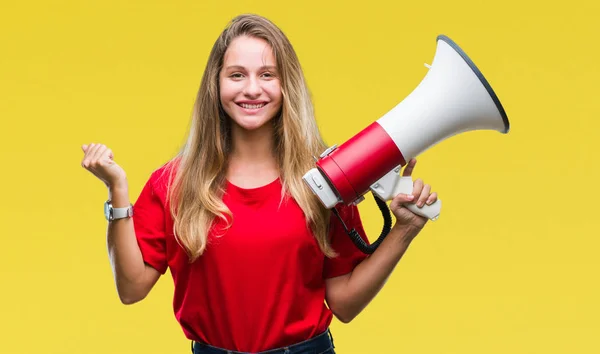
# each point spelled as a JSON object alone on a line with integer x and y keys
{"x": 252, "y": 106}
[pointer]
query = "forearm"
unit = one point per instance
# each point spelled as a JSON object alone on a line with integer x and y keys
{"x": 124, "y": 253}
{"x": 369, "y": 277}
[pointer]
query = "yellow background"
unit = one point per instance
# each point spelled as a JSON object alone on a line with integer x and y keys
{"x": 510, "y": 267}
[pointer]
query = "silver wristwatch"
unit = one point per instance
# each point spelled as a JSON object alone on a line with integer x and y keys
{"x": 117, "y": 213}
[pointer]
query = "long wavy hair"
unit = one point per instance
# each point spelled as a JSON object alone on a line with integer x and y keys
{"x": 196, "y": 190}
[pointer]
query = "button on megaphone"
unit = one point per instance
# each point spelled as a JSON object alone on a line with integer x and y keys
{"x": 453, "y": 97}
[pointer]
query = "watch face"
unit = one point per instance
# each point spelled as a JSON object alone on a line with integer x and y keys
{"x": 107, "y": 211}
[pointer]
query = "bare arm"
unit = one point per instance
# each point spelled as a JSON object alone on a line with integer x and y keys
{"x": 349, "y": 294}
{"x": 134, "y": 279}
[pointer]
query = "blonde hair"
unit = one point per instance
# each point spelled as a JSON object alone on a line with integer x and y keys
{"x": 196, "y": 191}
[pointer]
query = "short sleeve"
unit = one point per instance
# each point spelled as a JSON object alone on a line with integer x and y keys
{"x": 349, "y": 256}
{"x": 149, "y": 225}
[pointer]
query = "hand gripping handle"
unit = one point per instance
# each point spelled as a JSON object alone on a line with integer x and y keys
{"x": 392, "y": 184}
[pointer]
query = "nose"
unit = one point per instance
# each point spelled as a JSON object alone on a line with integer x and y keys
{"x": 252, "y": 87}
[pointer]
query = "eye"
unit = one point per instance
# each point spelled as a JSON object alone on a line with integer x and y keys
{"x": 268, "y": 75}
{"x": 236, "y": 76}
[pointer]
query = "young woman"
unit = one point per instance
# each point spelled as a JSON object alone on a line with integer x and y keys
{"x": 257, "y": 262}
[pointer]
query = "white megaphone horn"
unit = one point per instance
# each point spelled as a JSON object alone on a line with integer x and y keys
{"x": 453, "y": 97}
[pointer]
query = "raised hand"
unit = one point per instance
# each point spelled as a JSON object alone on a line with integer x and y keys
{"x": 98, "y": 159}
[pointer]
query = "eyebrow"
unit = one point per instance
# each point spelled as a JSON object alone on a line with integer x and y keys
{"x": 239, "y": 67}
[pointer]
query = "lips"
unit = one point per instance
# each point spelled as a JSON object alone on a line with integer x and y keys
{"x": 252, "y": 105}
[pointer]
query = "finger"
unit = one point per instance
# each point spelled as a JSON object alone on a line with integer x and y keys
{"x": 90, "y": 160}
{"x": 84, "y": 148}
{"x": 91, "y": 149}
{"x": 401, "y": 199}
{"x": 109, "y": 154}
{"x": 107, "y": 158}
{"x": 86, "y": 159}
{"x": 97, "y": 157}
{"x": 424, "y": 195}
{"x": 408, "y": 169}
{"x": 432, "y": 198}
{"x": 417, "y": 188}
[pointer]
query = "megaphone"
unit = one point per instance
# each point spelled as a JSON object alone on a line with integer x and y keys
{"x": 452, "y": 98}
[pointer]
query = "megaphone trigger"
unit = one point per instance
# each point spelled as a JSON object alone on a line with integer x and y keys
{"x": 392, "y": 184}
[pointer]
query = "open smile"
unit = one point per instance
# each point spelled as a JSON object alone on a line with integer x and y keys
{"x": 252, "y": 106}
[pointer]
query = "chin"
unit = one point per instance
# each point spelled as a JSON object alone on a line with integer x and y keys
{"x": 252, "y": 124}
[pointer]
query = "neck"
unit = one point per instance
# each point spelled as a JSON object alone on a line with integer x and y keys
{"x": 252, "y": 145}
{"x": 253, "y": 154}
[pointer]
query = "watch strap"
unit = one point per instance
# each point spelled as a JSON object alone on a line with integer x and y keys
{"x": 113, "y": 213}
{"x": 120, "y": 213}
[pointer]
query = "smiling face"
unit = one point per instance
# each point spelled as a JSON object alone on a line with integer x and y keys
{"x": 250, "y": 90}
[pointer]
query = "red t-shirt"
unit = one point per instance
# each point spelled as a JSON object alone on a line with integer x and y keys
{"x": 258, "y": 286}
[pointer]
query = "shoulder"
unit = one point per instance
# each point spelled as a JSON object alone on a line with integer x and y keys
{"x": 161, "y": 178}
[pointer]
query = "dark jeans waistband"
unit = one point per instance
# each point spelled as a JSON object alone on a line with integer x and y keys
{"x": 320, "y": 344}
